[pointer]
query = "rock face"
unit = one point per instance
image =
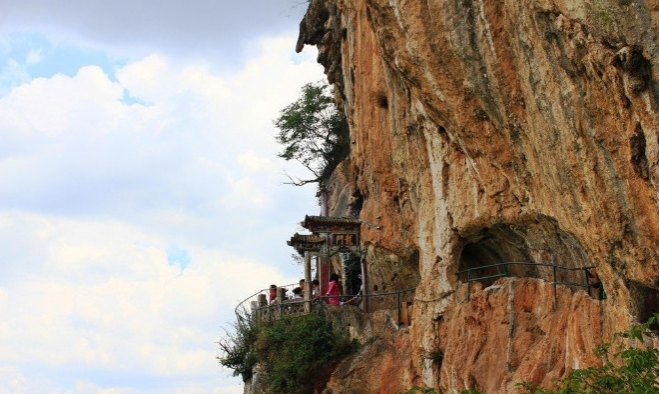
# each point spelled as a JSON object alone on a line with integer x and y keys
{"x": 383, "y": 365}
{"x": 512, "y": 332}
{"x": 493, "y": 131}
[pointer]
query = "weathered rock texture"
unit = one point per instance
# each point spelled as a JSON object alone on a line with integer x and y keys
{"x": 383, "y": 364}
{"x": 511, "y": 332}
{"x": 491, "y": 131}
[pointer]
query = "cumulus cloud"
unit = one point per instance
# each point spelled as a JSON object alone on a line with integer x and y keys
{"x": 192, "y": 131}
{"x": 12, "y": 74}
{"x": 99, "y": 194}
{"x": 105, "y": 297}
{"x": 210, "y": 28}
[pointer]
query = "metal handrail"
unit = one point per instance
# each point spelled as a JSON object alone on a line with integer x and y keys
{"x": 241, "y": 305}
{"x": 319, "y": 301}
{"x": 505, "y": 265}
{"x": 398, "y": 295}
{"x": 526, "y": 263}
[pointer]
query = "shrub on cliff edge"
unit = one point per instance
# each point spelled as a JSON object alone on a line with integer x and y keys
{"x": 298, "y": 352}
{"x": 295, "y": 353}
{"x": 237, "y": 350}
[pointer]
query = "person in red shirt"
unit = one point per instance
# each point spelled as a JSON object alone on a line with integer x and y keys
{"x": 334, "y": 290}
{"x": 273, "y": 294}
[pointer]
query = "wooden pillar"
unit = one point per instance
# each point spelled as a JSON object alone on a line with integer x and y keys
{"x": 307, "y": 282}
{"x": 262, "y": 300}
{"x": 280, "y": 302}
{"x": 280, "y": 295}
{"x": 262, "y": 306}
{"x": 323, "y": 274}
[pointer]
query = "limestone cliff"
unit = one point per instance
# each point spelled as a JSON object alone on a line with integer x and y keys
{"x": 494, "y": 131}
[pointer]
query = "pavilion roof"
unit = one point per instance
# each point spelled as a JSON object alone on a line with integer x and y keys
{"x": 305, "y": 239}
{"x": 312, "y": 221}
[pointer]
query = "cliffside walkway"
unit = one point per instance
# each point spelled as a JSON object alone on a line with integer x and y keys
{"x": 556, "y": 270}
{"x": 257, "y": 304}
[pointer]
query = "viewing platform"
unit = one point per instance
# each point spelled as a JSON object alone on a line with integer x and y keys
{"x": 257, "y": 305}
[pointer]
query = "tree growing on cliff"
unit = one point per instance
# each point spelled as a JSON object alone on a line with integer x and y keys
{"x": 313, "y": 132}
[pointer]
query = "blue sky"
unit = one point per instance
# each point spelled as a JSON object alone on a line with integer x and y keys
{"x": 140, "y": 193}
{"x": 37, "y": 57}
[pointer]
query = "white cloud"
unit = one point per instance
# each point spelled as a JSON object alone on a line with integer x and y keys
{"x": 271, "y": 84}
{"x": 196, "y": 129}
{"x": 189, "y": 30}
{"x": 94, "y": 190}
{"x": 86, "y": 387}
{"x": 106, "y": 297}
{"x": 11, "y": 380}
{"x": 33, "y": 57}
{"x": 3, "y": 298}
{"x": 245, "y": 194}
{"x": 149, "y": 79}
{"x": 13, "y": 74}
{"x": 251, "y": 163}
{"x": 49, "y": 106}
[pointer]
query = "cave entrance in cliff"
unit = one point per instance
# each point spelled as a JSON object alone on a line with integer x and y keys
{"x": 645, "y": 302}
{"x": 531, "y": 240}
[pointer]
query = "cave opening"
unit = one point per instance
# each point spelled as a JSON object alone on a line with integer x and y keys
{"x": 525, "y": 243}
{"x": 645, "y": 302}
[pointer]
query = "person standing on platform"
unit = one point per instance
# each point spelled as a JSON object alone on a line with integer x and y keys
{"x": 334, "y": 290}
{"x": 273, "y": 294}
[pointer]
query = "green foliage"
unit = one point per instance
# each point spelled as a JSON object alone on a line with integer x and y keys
{"x": 631, "y": 368}
{"x": 297, "y": 350}
{"x": 237, "y": 348}
{"x": 293, "y": 351}
{"x": 313, "y": 132}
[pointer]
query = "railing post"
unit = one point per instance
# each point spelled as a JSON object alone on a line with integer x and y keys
{"x": 280, "y": 302}
{"x": 365, "y": 284}
{"x": 400, "y": 320}
{"x": 263, "y": 304}
{"x": 468, "y": 284}
{"x": 585, "y": 272}
{"x": 555, "y": 285}
{"x": 307, "y": 282}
